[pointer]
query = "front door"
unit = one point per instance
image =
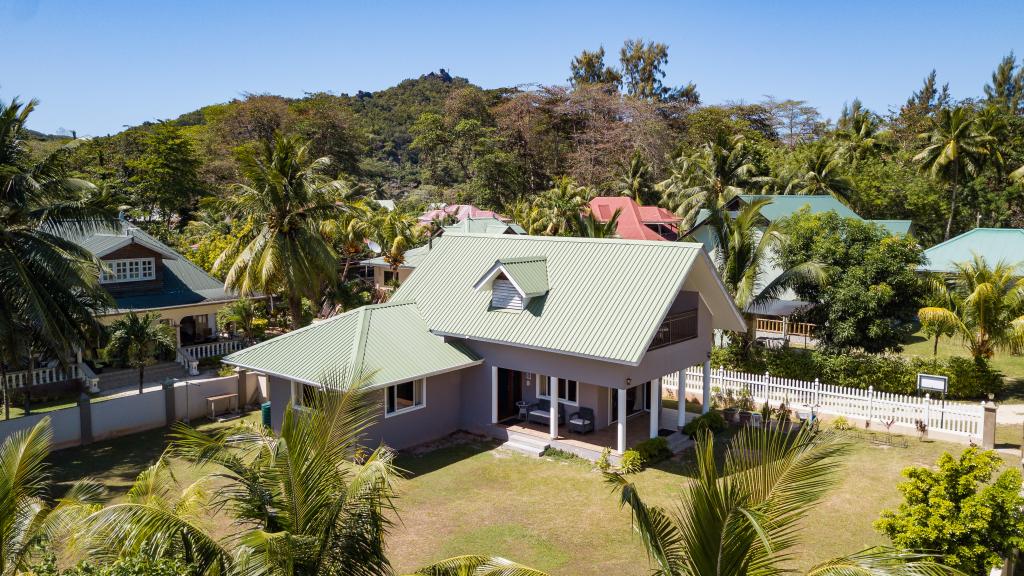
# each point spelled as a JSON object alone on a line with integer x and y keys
{"x": 510, "y": 391}
{"x": 188, "y": 330}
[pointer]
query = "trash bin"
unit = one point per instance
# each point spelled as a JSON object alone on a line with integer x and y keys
{"x": 265, "y": 413}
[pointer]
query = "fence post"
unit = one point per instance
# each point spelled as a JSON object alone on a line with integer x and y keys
{"x": 871, "y": 404}
{"x": 817, "y": 392}
{"x": 928, "y": 410}
{"x": 988, "y": 426}
{"x": 84, "y": 419}
{"x": 169, "y": 402}
{"x": 767, "y": 388}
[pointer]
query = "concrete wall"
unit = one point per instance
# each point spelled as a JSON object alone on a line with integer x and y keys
{"x": 280, "y": 396}
{"x": 65, "y": 425}
{"x": 128, "y": 414}
{"x": 198, "y": 392}
{"x": 438, "y": 418}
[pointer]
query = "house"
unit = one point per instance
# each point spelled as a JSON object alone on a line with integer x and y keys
{"x": 457, "y": 211}
{"x": 774, "y": 320}
{"x": 995, "y": 244}
{"x": 143, "y": 275}
{"x": 384, "y": 275}
{"x": 538, "y": 341}
{"x": 636, "y": 222}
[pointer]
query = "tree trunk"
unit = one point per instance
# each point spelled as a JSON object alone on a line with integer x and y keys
{"x": 952, "y": 203}
{"x": 142, "y": 375}
{"x": 295, "y": 309}
{"x": 935, "y": 348}
{"x": 7, "y": 397}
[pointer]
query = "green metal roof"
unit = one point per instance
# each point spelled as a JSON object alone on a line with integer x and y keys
{"x": 895, "y": 227}
{"x": 485, "y": 226}
{"x": 529, "y": 274}
{"x": 413, "y": 256}
{"x": 995, "y": 244}
{"x": 184, "y": 283}
{"x": 605, "y": 300}
{"x": 785, "y": 205}
{"x": 385, "y": 343}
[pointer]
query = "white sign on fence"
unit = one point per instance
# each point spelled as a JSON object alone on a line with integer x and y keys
{"x": 932, "y": 383}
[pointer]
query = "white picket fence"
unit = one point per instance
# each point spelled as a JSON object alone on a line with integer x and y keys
{"x": 44, "y": 375}
{"x": 962, "y": 419}
{"x": 216, "y": 348}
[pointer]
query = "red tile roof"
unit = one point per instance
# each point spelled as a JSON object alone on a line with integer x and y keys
{"x": 460, "y": 211}
{"x": 633, "y": 218}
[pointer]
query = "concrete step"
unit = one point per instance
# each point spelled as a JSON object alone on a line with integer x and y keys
{"x": 678, "y": 442}
{"x": 526, "y": 444}
{"x": 155, "y": 374}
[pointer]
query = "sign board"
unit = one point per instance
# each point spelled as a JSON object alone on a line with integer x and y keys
{"x": 932, "y": 383}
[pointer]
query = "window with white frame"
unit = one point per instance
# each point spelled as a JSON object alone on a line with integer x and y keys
{"x": 405, "y": 397}
{"x": 128, "y": 270}
{"x": 567, "y": 390}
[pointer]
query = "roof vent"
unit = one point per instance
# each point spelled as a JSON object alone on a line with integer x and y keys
{"x": 515, "y": 281}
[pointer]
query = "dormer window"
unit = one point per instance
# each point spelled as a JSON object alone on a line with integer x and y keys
{"x": 514, "y": 282}
{"x": 128, "y": 270}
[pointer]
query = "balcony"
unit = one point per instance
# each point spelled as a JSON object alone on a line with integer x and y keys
{"x": 678, "y": 327}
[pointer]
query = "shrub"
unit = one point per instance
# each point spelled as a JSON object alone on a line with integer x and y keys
{"x": 713, "y": 421}
{"x": 603, "y": 463}
{"x": 841, "y": 423}
{"x": 653, "y": 450}
{"x": 631, "y": 462}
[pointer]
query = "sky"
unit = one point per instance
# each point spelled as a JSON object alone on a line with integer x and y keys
{"x": 98, "y": 65}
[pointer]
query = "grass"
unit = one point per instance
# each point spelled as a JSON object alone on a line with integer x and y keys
{"x": 555, "y": 514}
{"x": 1011, "y": 366}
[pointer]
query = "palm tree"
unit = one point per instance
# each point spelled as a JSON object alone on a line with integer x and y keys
{"x": 529, "y": 216}
{"x": 588, "y": 226}
{"x": 49, "y": 286}
{"x": 137, "y": 340}
{"x": 743, "y": 254}
{"x": 635, "y": 181}
{"x": 394, "y": 233}
{"x": 560, "y": 205}
{"x": 242, "y": 315}
{"x": 286, "y": 200}
{"x": 860, "y": 133}
{"x": 720, "y": 170}
{"x": 27, "y": 516}
{"x": 954, "y": 149}
{"x": 306, "y": 502}
{"x": 984, "y": 306}
{"x": 822, "y": 173}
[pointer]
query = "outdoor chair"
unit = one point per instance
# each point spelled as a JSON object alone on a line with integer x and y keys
{"x": 582, "y": 421}
{"x": 542, "y": 412}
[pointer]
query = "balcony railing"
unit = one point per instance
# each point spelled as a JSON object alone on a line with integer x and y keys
{"x": 676, "y": 328}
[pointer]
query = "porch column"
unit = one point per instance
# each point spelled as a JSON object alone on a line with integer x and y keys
{"x": 494, "y": 394}
{"x": 553, "y": 415}
{"x": 706, "y": 405}
{"x": 655, "y": 404}
{"x": 681, "y": 398}
{"x": 620, "y": 426}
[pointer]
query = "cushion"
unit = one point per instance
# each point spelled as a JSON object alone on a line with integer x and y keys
{"x": 579, "y": 420}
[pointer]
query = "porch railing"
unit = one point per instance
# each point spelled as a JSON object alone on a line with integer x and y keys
{"x": 184, "y": 357}
{"x": 44, "y": 375}
{"x": 211, "y": 349}
{"x": 773, "y": 326}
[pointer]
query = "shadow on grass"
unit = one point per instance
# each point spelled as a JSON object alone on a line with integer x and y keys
{"x": 115, "y": 463}
{"x": 418, "y": 463}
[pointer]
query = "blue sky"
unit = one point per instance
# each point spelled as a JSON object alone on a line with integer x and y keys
{"x": 97, "y": 65}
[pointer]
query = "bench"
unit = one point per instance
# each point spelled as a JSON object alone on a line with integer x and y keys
{"x": 542, "y": 412}
{"x": 211, "y": 403}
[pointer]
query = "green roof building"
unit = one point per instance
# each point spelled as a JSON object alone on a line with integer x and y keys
{"x": 994, "y": 244}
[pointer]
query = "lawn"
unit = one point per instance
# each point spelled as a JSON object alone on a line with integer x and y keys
{"x": 1011, "y": 366}
{"x": 557, "y": 515}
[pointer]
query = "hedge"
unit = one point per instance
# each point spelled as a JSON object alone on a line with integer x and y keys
{"x": 968, "y": 378}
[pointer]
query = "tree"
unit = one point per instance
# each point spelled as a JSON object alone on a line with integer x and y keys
{"x": 643, "y": 67}
{"x": 167, "y": 174}
{"x": 285, "y": 199}
{"x": 589, "y": 68}
{"x": 743, "y": 252}
{"x": 635, "y": 181}
{"x": 984, "y": 305}
{"x": 871, "y": 293}
{"x": 309, "y": 501}
{"x": 1007, "y": 87}
{"x": 49, "y": 286}
{"x": 588, "y": 226}
{"x": 245, "y": 316}
{"x": 720, "y": 170}
{"x": 27, "y": 517}
{"x": 959, "y": 512}
{"x": 394, "y": 233}
{"x": 561, "y": 205}
{"x": 794, "y": 120}
{"x": 137, "y": 340}
{"x": 822, "y": 173}
{"x": 954, "y": 150}
{"x": 860, "y": 133}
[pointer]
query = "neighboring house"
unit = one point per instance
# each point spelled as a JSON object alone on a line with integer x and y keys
{"x": 145, "y": 275}
{"x": 570, "y": 331}
{"x": 773, "y": 320}
{"x": 636, "y": 222}
{"x": 384, "y": 275}
{"x": 995, "y": 244}
{"x": 458, "y": 211}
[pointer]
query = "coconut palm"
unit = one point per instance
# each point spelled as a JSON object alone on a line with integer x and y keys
{"x": 394, "y": 233}
{"x": 744, "y": 516}
{"x": 49, "y": 286}
{"x": 984, "y": 306}
{"x": 242, "y": 315}
{"x": 306, "y": 502}
{"x": 720, "y": 170}
{"x": 954, "y": 149}
{"x": 286, "y": 199}
{"x": 822, "y": 173}
{"x": 27, "y": 516}
{"x": 561, "y": 204}
{"x": 588, "y": 226}
{"x": 635, "y": 181}
{"x": 860, "y": 133}
{"x": 529, "y": 216}
{"x": 137, "y": 340}
{"x": 744, "y": 247}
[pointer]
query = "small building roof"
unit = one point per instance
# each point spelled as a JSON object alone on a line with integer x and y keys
{"x": 380, "y": 345}
{"x": 485, "y": 225}
{"x": 785, "y": 205}
{"x": 995, "y": 244}
{"x": 606, "y": 297}
{"x": 459, "y": 211}
{"x": 633, "y": 218}
{"x": 184, "y": 283}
